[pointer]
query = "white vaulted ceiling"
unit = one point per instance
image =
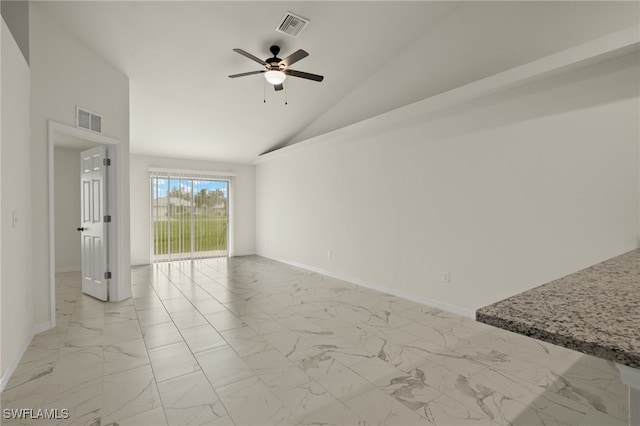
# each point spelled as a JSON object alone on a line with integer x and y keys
{"x": 375, "y": 56}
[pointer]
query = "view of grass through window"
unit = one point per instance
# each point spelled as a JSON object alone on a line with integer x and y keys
{"x": 190, "y": 217}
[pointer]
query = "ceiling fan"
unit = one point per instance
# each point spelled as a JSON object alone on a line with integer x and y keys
{"x": 276, "y": 69}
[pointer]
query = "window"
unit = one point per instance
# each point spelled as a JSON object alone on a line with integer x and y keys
{"x": 189, "y": 216}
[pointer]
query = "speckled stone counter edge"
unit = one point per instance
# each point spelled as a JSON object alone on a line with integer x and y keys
{"x": 608, "y": 353}
{"x": 508, "y": 314}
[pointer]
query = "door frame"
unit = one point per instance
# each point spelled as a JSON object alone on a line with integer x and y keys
{"x": 194, "y": 175}
{"x": 114, "y": 150}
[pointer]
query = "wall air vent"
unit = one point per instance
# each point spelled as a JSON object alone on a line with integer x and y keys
{"x": 88, "y": 120}
{"x": 292, "y": 24}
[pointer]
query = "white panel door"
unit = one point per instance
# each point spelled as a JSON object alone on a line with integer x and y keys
{"x": 93, "y": 179}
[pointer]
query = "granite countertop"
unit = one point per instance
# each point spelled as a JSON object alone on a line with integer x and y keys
{"x": 595, "y": 311}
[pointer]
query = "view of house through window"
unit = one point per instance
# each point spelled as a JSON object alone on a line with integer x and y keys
{"x": 190, "y": 217}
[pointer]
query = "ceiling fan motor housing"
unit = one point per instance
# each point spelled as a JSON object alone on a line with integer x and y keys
{"x": 274, "y": 63}
{"x": 276, "y": 66}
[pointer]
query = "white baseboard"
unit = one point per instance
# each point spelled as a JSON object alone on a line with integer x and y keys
{"x": 17, "y": 357}
{"x": 124, "y": 296}
{"x": 395, "y": 292}
{"x": 629, "y": 376}
{"x": 41, "y": 327}
{"x": 67, "y": 269}
{"x": 243, "y": 253}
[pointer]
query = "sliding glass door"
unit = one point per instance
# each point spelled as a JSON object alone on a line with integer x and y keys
{"x": 190, "y": 217}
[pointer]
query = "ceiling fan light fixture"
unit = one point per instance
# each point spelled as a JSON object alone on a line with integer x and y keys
{"x": 275, "y": 77}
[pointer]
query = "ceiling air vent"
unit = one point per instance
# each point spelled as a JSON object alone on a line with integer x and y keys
{"x": 88, "y": 120}
{"x": 292, "y": 24}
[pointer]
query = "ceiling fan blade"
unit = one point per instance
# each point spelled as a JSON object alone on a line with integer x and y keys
{"x": 301, "y": 74}
{"x": 278, "y": 87}
{"x": 247, "y": 73}
{"x": 294, "y": 57}
{"x": 250, "y": 56}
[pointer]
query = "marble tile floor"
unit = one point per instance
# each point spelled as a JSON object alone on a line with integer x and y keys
{"x": 250, "y": 341}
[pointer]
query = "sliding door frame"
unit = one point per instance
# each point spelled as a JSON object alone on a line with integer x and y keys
{"x": 194, "y": 175}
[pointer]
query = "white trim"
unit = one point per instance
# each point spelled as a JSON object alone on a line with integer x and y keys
{"x": 230, "y": 220}
{"x": 124, "y": 295}
{"x": 457, "y": 310}
{"x": 17, "y": 357}
{"x": 115, "y": 205}
{"x": 630, "y": 376}
{"x": 194, "y": 175}
{"x": 67, "y": 269}
{"x": 52, "y": 224}
{"x": 598, "y": 50}
{"x": 151, "y": 221}
{"x": 15, "y": 360}
{"x": 42, "y": 327}
{"x": 116, "y": 209}
{"x": 82, "y": 133}
{"x": 244, "y": 253}
{"x": 191, "y": 173}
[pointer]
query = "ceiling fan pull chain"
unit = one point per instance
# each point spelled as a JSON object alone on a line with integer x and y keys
{"x": 285, "y": 96}
{"x": 264, "y": 92}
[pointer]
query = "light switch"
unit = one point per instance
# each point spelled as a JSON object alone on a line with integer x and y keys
{"x": 14, "y": 219}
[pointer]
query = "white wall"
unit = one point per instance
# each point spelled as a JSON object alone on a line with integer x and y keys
{"x": 67, "y": 208}
{"x": 243, "y": 199}
{"x": 16, "y": 277}
{"x": 505, "y": 193}
{"x": 481, "y": 39}
{"x": 64, "y": 73}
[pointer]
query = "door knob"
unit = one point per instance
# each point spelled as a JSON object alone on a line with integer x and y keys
{"x": 82, "y": 229}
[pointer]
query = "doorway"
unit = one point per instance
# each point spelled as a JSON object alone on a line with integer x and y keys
{"x": 62, "y": 226}
{"x": 189, "y": 217}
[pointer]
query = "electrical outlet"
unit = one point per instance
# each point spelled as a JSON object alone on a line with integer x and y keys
{"x": 446, "y": 277}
